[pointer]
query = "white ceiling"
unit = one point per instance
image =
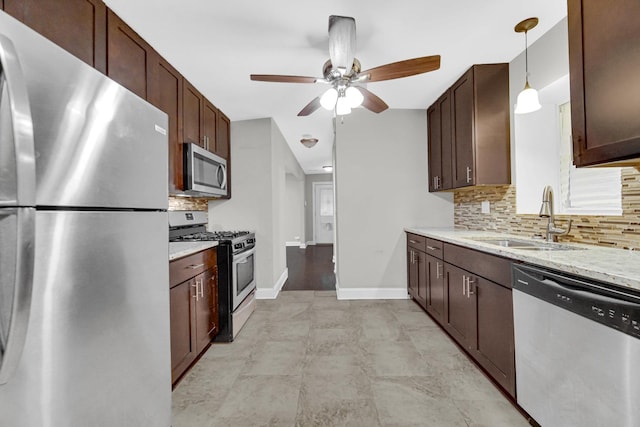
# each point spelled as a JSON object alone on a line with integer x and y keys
{"x": 216, "y": 45}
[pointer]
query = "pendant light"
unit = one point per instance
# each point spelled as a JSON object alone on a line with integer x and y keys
{"x": 527, "y": 101}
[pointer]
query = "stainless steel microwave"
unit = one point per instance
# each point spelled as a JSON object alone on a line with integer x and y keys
{"x": 204, "y": 172}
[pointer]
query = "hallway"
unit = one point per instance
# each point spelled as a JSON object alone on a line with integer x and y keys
{"x": 310, "y": 269}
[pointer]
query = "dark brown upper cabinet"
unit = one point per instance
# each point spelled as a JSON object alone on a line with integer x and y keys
{"x": 192, "y": 110}
{"x": 469, "y": 131}
{"x": 128, "y": 56}
{"x": 604, "y": 60}
{"x": 209, "y": 126}
{"x": 78, "y": 26}
{"x": 439, "y": 145}
{"x": 223, "y": 137}
{"x": 165, "y": 92}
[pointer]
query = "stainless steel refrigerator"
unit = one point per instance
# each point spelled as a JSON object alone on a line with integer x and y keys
{"x": 84, "y": 276}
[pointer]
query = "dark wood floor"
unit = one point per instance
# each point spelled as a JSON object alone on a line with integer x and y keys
{"x": 310, "y": 269}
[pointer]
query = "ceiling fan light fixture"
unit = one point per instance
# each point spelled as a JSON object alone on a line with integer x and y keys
{"x": 329, "y": 98}
{"x": 354, "y": 96}
{"x": 527, "y": 101}
{"x": 342, "y": 106}
{"x": 309, "y": 142}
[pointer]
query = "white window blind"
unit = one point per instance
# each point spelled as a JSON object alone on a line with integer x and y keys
{"x": 595, "y": 191}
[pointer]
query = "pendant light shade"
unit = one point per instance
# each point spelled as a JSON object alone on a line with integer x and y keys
{"x": 328, "y": 99}
{"x": 527, "y": 101}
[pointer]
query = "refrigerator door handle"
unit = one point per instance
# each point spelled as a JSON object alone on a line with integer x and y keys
{"x": 12, "y": 79}
{"x": 14, "y": 334}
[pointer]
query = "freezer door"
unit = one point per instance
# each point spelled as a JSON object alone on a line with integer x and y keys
{"x": 96, "y": 143}
{"x": 97, "y": 347}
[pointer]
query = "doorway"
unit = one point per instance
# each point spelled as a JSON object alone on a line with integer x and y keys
{"x": 323, "y": 213}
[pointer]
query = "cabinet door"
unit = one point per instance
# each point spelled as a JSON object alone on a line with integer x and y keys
{"x": 493, "y": 344}
{"x": 459, "y": 309}
{"x": 205, "y": 321}
{"x": 435, "y": 290}
{"x": 434, "y": 147}
{"x": 192, "y": 103}
{"x": 165, "y": 92}
{"x": 421, "y": 262}
{"x": 209, "y": 125}
{"x": 604, "y": 60}
{"x": 78, "y": 26}
{"x": 412, "y": 273}
{"x": 182, "y": 318}
{"x": 128, "y": 56}
{"x": 462, "y": 114}
{"x": 223, "y": 138}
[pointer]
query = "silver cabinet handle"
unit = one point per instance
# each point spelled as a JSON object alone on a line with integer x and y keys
{"x": 432, "y": 248}
{"x": 434, "y": 182}
{"x": 438, "y": 266}
{"x": 194, "y": 266}
{"x": 438, "y": 180}
{"x": 201, "y": 288}
{"x": 469, "y": 290}
{"x": 20, "y": 169}
{"x": 464, "y": 284}
{"x": 468, "y": 174}
{"x": 195, "y": 286}
{"x": 413, "y": 241}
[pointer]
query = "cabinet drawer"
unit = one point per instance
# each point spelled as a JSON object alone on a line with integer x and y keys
{"x": 185, "y": 268}
{"x": 417, "y": 242}
{"x": 488, "y": 266}
{"x": 434, "y": 248}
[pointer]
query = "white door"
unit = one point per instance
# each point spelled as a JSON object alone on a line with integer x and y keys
{"x": 323, "y": 212}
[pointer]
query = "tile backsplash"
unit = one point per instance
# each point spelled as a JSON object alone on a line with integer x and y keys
{"x": 188, "y": 204}
{"x": 613, "y": 231}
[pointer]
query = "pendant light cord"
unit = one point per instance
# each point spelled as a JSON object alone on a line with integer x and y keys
{"x": 526, "y": 58}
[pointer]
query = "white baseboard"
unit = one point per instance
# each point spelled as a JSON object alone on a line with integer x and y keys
{"x": 371, "y": 293}
{"x": 311, "y": 242}
{"x": 296, "y": 243}
{"x": 272, "y": 293}
{"x": 303, "y": 246}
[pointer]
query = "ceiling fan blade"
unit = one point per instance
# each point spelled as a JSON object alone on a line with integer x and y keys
{"x": 283, "y": 79}
{"x": 372, "y": 101}
{"x": 406, "y": 68}
{"x": 342, "y": 42}
{"x": 310, "y": 107}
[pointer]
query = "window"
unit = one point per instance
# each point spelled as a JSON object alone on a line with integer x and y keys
{"x": 589, "y": 191}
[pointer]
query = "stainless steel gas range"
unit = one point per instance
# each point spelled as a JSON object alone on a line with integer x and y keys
{"x": 236, "y": 267}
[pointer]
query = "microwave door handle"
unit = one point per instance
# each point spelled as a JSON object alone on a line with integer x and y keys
{"x": 224, "y": 176}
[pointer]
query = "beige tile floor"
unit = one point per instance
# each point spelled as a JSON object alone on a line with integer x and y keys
{"x": 307, "y": 359}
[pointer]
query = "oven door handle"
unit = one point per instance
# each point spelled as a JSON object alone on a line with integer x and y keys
{"x": 241, "y": 258}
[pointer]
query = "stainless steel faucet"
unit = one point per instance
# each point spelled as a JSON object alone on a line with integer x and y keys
{"x": 546, "y": 211}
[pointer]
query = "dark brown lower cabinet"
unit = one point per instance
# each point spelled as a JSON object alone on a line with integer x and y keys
{"x": 468, "y": 293}
{"x": 435, "y": 287}
{"x": 193, "y": 308}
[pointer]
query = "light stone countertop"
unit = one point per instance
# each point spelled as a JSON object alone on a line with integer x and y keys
{"x": 182, "y": 249}
{"x": 617, "y": 266}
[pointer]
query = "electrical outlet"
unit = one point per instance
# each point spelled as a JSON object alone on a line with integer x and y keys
{"x": 485, "y": 207}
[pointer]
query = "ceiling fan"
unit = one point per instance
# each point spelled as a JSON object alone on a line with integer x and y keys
{"x": 343, "y": 72}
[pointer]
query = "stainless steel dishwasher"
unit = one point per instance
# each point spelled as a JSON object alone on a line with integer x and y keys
{"x": 577, "y": 345}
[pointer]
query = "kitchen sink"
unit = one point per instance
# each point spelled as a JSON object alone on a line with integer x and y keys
{"x": 526, "y": 244}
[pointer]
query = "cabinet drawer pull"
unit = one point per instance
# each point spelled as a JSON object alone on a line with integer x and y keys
{"x": 413, "y": 241}
{"x": 194, "y": 266}
{"x": 432, "y": 248}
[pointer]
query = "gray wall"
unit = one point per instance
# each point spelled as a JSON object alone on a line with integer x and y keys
{"x": 381, "y": 185}
{"x": 261, "y": 159}
{"x": 308, "y": 198}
